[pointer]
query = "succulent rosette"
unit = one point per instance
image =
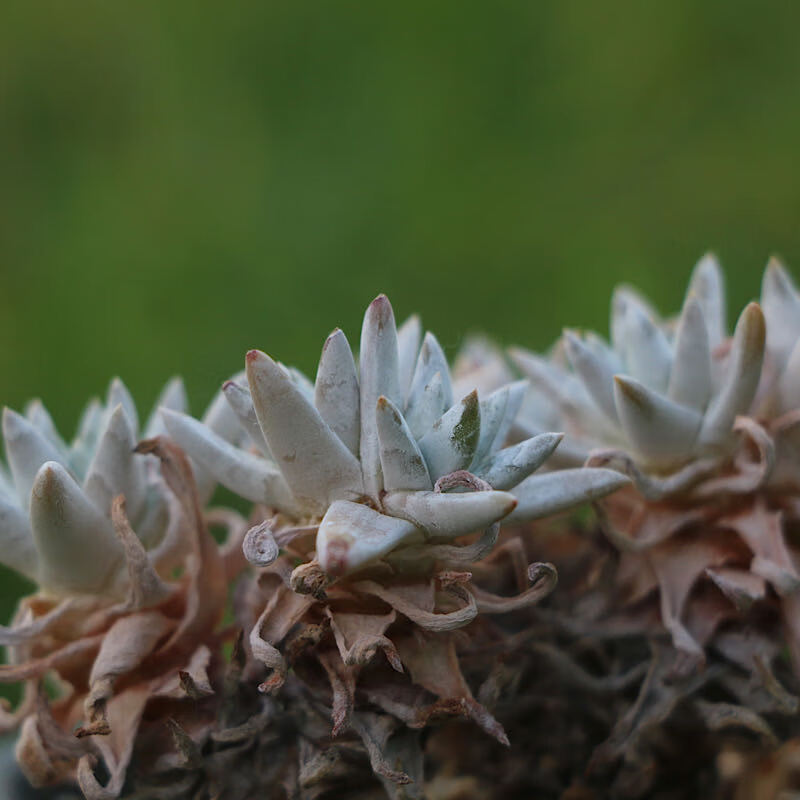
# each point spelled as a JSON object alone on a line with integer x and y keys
{"x": 703, "y": 423}
{"x": 103, "y": 526}
{"x": 55, "y": 498}
{"x": 367, "y": 482}
{"x": 364, "y": 456}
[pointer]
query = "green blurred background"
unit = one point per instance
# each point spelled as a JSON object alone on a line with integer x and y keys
{"x": 182, "y": 181}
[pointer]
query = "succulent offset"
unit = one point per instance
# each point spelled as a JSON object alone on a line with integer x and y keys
{"x": 55, "y": 499}
{"x": 663, "y": 394}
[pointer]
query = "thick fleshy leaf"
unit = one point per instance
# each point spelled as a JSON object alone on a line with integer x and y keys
{"x": 78, "y": 551}
{"x": 249, "y": 475}
{"x": 516, "y": 395}
{"x": 115, "y": 469}
{"x": 511, "y": 466}
{"x": 336, "y": 393}
{"x": 425, "y": 408}
{"x": 16, "y": 541}
{"x": 241, "y": 402}
{"x": 118, "y": 394}
{"x": 742, "y": 374}
{"x": 493, "y": 411}
{"x": 172, "y": 396}
{"x": 378, "y": 375}
{"x": 781, "y": 302}
{"x": 449, "y": 515}
{"x": 553, "y": 492}
{"x": 401, "y": 460}
{"x": 659, "y": 430}
{"x": 40, "y": 418}
{"x": 352, "y": 535}
{"x": 409, "y": 335}
{"x": 690, "y": 379}
{"x": 789, "y": 386}
{"x": 220, "y": 418}
{"x": 6, "y": 487}
{"x": 316, "y": 464}
{"x": 82, "y": 448}
{"x": 430, "y": 361}
{"x": 451, "y": 442}
{"x": 557, "y": 383}
{"x": 26, "y": 451}
{"x": 596, "y": 373}
{"x": 707, "y": 284}
{"x": 624, "y": 301}
{"x": 648, "y": 356}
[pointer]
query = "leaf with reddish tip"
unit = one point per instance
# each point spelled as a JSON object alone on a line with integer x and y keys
{"x": 690, "y": 379}
{"x": 77, "y": 549}
{"x": 241, "y": 402}
{"x": 661, "y": 431}
{"x": 250, "y": 476}
{"x": 449, "y": 515}
{"x": 740, "y": 382}
{"x": 352, "y": 535}
{"x": 554, "y": 492}
{"x": 509, "y": 467}
{"x": 452, "y": 440}
{"x": 336, "y": 392}
{"x": 401, "y": 460}
{"x": 26, "y": 451}
{"x": 114, "y": 469}
{"x": 379, "y": 375}
{"x": 707, "y": 284}
{"x": 409, "y": 335}
{"x": 316, "y": 464}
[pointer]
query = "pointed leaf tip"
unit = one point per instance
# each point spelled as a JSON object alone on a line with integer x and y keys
{"x": 741, "y": 378}
{"x": 352, "y": 535}
{"x": 554, "y": 492}
{"x": 66, "y": 527}
{"x": 659, "y": 430}
{"x": 26, "y": 450}
{"x": 450, "y": 514}
{"x": 316, "y": 464}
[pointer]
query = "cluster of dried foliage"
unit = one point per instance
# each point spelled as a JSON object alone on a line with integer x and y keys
{"x": 385, "y": 621}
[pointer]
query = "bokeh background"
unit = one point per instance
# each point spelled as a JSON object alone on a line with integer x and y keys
{"x": 182, "y": 181}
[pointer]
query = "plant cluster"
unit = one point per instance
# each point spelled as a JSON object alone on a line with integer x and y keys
{"x": 384, "y": 619}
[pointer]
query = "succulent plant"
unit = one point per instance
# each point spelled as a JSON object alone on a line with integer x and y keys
{"x": 662, "y": 396}
{"x": 55, "y": 498}
{"x": 371, "y": 594}
{"x": 361, "y": 453}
